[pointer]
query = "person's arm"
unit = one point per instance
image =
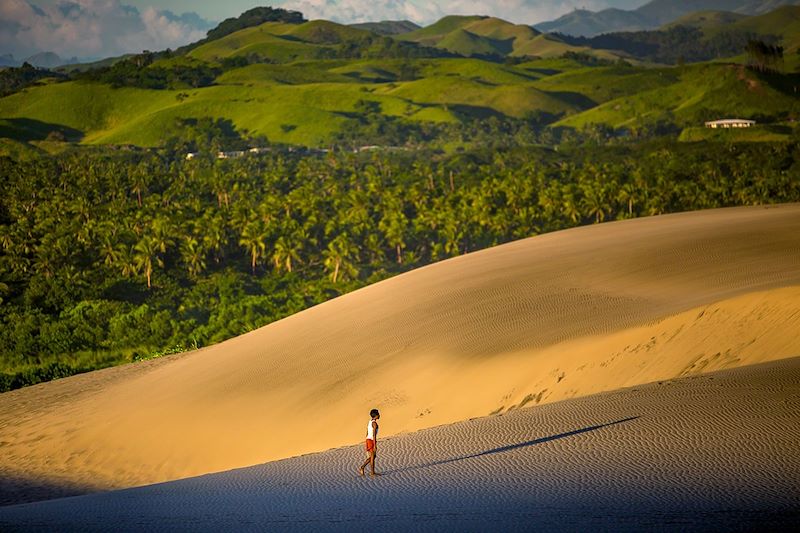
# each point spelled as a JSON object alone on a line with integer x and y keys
{"x": 375, "y": 433}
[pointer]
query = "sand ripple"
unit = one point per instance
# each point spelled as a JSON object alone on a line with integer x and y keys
{"x": 718, "y": 451}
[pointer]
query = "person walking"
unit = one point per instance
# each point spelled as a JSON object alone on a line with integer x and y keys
{"x": 372, "y": 443}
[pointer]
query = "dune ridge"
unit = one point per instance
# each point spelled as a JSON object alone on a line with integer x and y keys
{"x": 556, "y": 316}
{"x": 711, "y": 452}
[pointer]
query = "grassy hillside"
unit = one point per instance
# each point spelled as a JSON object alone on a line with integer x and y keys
{"x": 485, "y": 36}
{"x": 700, "y": 93}
{"x": 309, "y": 102}
{"x": 783, "y": 22}
{"x": 301, "y": 83}
{"x": 472, "y": 69}
{"x": 430, "y": 35}
{"x": 387, "y": 27}
{"x": 295, "y": 74}
{"x": 268, "y": 40}
{"x": 706, "y": 19}
{"x": 304, "y": 102}
{"x": 549, "y": 46}
{"x": 468, "y": 44}
{"x": 306, "y": 114}
{"x": 601, "y": 84}
{"x": 473, "y": 98}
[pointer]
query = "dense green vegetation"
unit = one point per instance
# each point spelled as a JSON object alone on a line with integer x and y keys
{"x": 378, "y": 154}
{"x": 14, "y": 79}
{"x": 677, "y": 44}
{"x": 108, "y": 258}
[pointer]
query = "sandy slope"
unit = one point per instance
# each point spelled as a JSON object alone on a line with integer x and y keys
{"x": 717, "y": 452}
{"x": 535, "y": 321}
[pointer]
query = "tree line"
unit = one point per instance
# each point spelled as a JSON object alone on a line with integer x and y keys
{"x": 677, "y": 44}
{"x": 112, "y": 257}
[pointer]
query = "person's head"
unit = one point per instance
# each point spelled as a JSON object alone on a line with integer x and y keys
{"x": 374, "y": 414}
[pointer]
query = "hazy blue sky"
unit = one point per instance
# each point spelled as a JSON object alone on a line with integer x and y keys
{"x": 102, "y": 28}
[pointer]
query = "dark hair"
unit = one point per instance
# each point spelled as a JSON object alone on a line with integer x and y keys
{"x": 374, "y": 413}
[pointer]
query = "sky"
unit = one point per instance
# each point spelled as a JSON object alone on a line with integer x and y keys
{"x": 91, "y": 29}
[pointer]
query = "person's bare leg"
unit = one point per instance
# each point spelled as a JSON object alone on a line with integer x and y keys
{"x": 372, "y": 463}
{"x": 363, "y": 466}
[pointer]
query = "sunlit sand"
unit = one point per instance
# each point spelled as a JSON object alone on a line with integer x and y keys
{"x": 523, "y": 325}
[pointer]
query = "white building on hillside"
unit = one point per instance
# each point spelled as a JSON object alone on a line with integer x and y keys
{"x": 731, "y": 123}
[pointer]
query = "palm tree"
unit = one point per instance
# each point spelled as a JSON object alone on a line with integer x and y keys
{"x": 393, "y": 225}
{"x": 570, "y": 207}
{"x": 214, "y": 239}
{"x": 162, "y": 233}
{"x": 145, "y": 257}
{"x": 284, "y": 252}
{"x": 125, "y": 260}
{"x": 109, "y": 251}
{"x": 594, "y": 201}
{"x": 254, "y": 236}
{"x": 340, "y": 257}
{"x": 627, "y": 194}
{"x": 193, "y": 256}
{"x": 141, "y": 178}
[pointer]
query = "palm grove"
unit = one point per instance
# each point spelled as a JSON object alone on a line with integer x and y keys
{"x": 108, "y": 258}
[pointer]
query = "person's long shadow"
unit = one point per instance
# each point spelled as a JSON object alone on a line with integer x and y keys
{"x": 511, "y": 446}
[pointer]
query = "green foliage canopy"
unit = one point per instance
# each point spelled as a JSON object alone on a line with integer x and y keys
{"x": 111, "y": 257}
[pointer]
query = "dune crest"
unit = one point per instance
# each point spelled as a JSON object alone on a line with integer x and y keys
{"x": 556, "y": 316}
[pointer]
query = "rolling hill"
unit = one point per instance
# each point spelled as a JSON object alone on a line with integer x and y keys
{"x": 652, "y": 15}
{"x": 706, "y": 19}
{"x": 277, "y": 41}
{"x": 387, "y": 27}
{"x": 303, "y": 85}
{"x": 699, "y": 93}
{"x": 489, "y": 36}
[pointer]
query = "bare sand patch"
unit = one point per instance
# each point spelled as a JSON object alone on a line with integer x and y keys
{"x": 717, "y": 452}
{"x": 552, "y": 317}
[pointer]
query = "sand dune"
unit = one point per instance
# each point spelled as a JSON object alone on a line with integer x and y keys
{"x": 717, "y": 452}
{"x": 552, "y": 317}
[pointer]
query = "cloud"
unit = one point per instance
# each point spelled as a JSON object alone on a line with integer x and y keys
{"x": 426, "y": 12}
{"x": 92, "y": 28}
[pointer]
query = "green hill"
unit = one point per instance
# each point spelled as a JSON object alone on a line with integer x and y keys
{"x": 602, "y": 84}
{"x": 490, "y": 36}
{"x": 267, "y": 40}
{"x": 387, "y": 27}
{"x": 431, "y": 35}
{"x": 784, "y": 23}
{"x": 312, "y": 83}
{"x": 324, "y": 32}
{"x": 293, "y": 74}
{"x": 700, "y": 93}
{"x": 465, "y": 43}
{"x": 478, "y": 99}
{"x": 706, "y": 19}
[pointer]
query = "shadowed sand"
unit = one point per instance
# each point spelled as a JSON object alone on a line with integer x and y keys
{"x": 557, "y": 316}
{"x": 713, "y": 452}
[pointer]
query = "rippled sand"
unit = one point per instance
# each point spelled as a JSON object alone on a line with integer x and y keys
{"x": 713, "y": 452}
{"x": 533, "y": 322}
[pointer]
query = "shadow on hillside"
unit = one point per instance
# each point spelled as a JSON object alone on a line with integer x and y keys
{"x": 511, "y": 447}
{"x": 26, "y": 129}
{"x": 17, "y": 490}
{"x": 577, "y": 99}
{"x": 787, "y": 83}
{"x": 465, "y": 111}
